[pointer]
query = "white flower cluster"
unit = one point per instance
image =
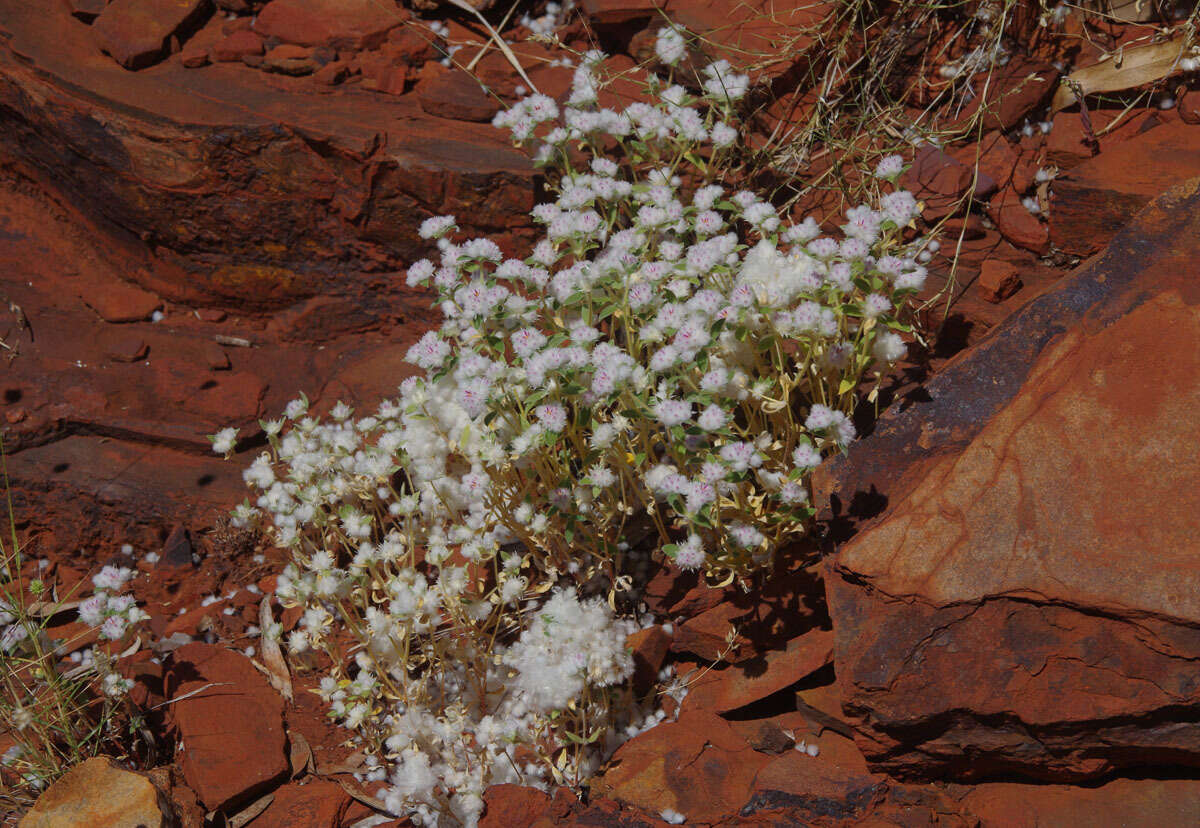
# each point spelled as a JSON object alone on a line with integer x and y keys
{"x": 660, "y": 374}
{"x": 111, "y": 613}
{"x": 12, "y": 630}
{"x": 570, "y": 645}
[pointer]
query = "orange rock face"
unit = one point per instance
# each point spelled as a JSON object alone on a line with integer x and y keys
{"x": 1029, "y": 600}
{"x": 342, "y": 24}
{"x": 138, "y": 33}
{"x": 697, "y": 766}
{"x": 1093, "y": 200}
{"x": 234, "y": 744}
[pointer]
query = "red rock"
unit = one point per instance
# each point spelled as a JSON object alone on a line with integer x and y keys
{"x": 1119, "y": 802}
{"x": 672, "y": 592}
{"x": 290, "y": 59}
{"x": 413, "y": 45}
{"x": 810, "y": 787}
{"x": 333, "y": 73}
{"x": 95, "y": 793}
{"x": 318, "y": 319}
{"x": 1092, "y": 201}
{"x": 87, "y": 10}
{"x": 1016, "y": 224}
{"x": 387, "y": 77}
{"x": 458, "y": 96}
{"x": 121, "y": 302}
{"x": 193, "y": 55}
{"x": 939, "y": 180}
{"x": 340, "y": 24}
{"x": 193, "y": 622}
{"x": 998, "y": 280}
{"x": 323, "y": 177}
{"x": 211, "y": 315}
{"x": 968, "y": 228}
{"x": 236, "y": 45}
{"x": 720, "y": 691}
{"x": 1001, "y": 162}
{"x": 507, "y": 805}
{"x": 176, "y": 550}
{"x": 1014, "y": 92}
{"x": 138, "y": 33}
{"x": 216, "y": 357}
{"x": 650, "y": 647}
{"x": 697, "y": 766}
{"x": 318, "y": 803}
{"x": 998, "y": 615}
{"x": 126, "y": 348}
{"x": 234, "y": 745}
{"x": 1066, "y": 143}
{"x": 760, "y": 32}
{"x": 712, "y": 634}
{"x": 237, "y": 24}
{"x": 613, "y": 12}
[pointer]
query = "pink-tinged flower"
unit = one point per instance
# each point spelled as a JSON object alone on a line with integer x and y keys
{"x": 890, "y": 167}
{"x": 553, "y": 416}
{"x": 690, "y": 554}
{"x": 673, "y": 412}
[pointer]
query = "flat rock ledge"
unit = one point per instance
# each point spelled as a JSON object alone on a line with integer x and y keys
{"x": 1017, "y": 585}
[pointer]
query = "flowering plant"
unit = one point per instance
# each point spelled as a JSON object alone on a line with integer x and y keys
{"x": 58, "y": 716}
{"x": 660, "y": 375}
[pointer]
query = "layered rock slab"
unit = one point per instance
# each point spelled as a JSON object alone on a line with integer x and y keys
{"x": 1095, "y": 199}
{"x": 265, "y": 190}
{"x": 1022, "y": 594}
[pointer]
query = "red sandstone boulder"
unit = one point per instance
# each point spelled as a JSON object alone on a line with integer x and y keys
{"x": 508, "y": 805}
{"x": 697, "y": 766}
{"x": 138, "y": 33}
{"x": 650, "y": 647}
{"x": 87, "y": 10}
{"x": 340, "y": 24}
{"x": 1016, "y": 224}
{"x": 998, "y": 280}
{"x": 233, "y": 743}
{"x": 96, "y": 793}
{"x": 456, "y": 95}
{"x": 413, "y": 45}
{"x": 290, "y": 59}
{"x": 1093, "y": 200}
{"x": 1021, "y": 595}
{"x": 809, "y": 788}
{"x": 237, "y": 45}
{"x": 318, "y": 803}
{"x": 1119, "y": 802}
{"x": 720, "y": 691}
{"x": 943, "y": 182}
{"x": 120, "y": 301}
{"x": 1014, "y": 93}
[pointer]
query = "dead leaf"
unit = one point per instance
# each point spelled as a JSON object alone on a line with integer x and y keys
{"x": 191, "y": 693}
{"x": 1131, "y": 68}
{"x": 276, "y": 669}
{"x": 48, "y": 609}
{"x": 300, "y": 755}
{"x": 234, "y": 341}
{"x": 365, "y": 798}
{"x": 250, "y": 811}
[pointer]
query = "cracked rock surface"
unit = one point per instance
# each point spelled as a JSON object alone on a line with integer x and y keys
{"x": 1021, "y": 593}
